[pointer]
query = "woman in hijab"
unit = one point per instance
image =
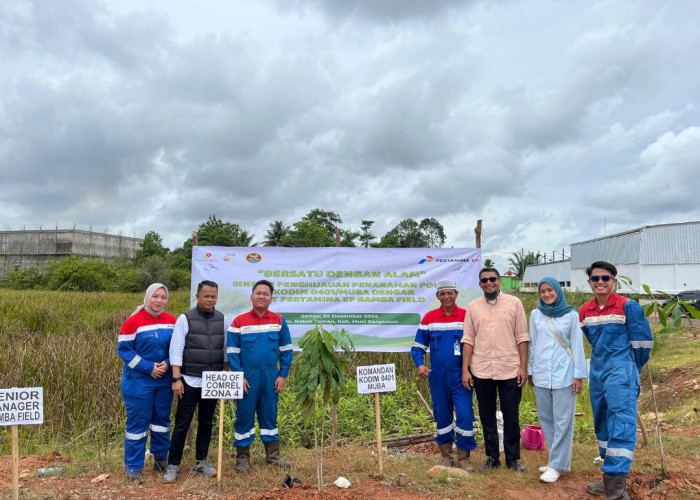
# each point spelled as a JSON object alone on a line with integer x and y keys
{"x": 557, "y": 365}
{"x": 143, "y": 345}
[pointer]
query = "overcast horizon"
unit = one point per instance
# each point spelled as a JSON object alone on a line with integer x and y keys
{"x": 554, "y": 122}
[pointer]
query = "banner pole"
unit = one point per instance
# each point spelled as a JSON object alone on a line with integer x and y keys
{"x": 222, "y": 402}
{"x": 379, "y": 431}
{"x": 15, "y": 462}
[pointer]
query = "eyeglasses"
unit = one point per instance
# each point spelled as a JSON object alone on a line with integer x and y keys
{"x": 604, "y": 278}
{"x": 492, "y": 279}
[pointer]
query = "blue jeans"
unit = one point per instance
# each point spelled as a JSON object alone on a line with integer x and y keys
{"x": 555, "y": 410}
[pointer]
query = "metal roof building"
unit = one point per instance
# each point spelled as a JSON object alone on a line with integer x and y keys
{"x": 666, "y": 257}
{"x": 560, "y": 271}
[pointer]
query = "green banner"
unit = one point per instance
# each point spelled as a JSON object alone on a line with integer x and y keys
{"x": 349, "y": 319}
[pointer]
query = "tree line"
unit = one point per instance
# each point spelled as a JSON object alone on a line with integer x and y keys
{"x": 156, "y": 263}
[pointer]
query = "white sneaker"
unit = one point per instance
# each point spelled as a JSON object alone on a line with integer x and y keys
{"x": 544, "y": 468}
{"x": 550, "y": 475}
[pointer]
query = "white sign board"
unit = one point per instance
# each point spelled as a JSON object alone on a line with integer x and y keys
{"x": 376, "y": 378}
{"x": 222, "y": 385}
{"x": 22, "y": 406}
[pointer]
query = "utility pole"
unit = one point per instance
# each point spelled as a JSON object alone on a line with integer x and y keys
{"x": 477, "y": 231}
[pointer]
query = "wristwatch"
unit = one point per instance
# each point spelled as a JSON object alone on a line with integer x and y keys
{"x": 175, "y": 379}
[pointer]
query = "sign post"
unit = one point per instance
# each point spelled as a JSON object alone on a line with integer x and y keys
{"x": 222, "y": 386}
{"x": 374, "y": 379}
{"x": 20, "y": 406}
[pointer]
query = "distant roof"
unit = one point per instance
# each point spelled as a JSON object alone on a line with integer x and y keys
{"x": 637, "y": 230}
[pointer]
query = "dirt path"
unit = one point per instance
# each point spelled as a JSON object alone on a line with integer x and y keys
{"x": 265, "y": 483}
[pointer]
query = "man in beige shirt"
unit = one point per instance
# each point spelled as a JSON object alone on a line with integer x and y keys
{"x": 495, "y": 342}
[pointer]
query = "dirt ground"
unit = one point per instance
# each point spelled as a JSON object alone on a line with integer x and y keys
{"x": 683, "y": 481}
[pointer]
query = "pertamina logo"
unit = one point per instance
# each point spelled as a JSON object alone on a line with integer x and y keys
{"x": 253, "y": 258}
{"x": 428, "y": 258}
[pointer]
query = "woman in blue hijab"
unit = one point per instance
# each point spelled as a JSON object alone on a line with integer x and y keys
{"x": 557, "y": 365}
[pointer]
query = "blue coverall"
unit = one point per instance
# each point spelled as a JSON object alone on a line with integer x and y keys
{"x": 256, "y": 346}
{"x": 621, "y": 343}
{"x": 143, "y": 341}
{"x": 442, "y": 334}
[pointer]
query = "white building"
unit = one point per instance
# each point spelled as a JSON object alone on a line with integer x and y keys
{"x": 666, "y": 257}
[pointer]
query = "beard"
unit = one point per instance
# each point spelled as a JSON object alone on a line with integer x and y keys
{"x": 491, "y": 295}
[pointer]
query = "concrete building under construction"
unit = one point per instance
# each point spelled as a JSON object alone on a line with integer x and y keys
{"x": 20, "y": 249}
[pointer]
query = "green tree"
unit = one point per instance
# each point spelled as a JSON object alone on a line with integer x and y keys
{"x": 348, "y": 237}
{"x": 29, "y": 278}
{"x": 307, "y": 233}
{"x": 366, "y": 237}
{"x": 324, "y": 218}
{"x": 152, "y": 245}
{"x": 76, "y": 274}
{"x": 216, "y": 232}
{"x": 276, "y": 232}
{"x": 489, "y": 263}
{"x": 433, "y": 232}
{"x": 520, "y": 260}
{"x": 410, "y": 234}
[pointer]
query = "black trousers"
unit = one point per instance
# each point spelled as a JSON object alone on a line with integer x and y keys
{"x": 183, "y": 417}
{"x": 509, "y": 395}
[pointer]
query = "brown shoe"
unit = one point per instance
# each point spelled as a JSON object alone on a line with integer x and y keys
{"x": 243, "y": 459}
{"x": 597, "y": 488}
{"x": 463, "y": 460}
{"x": 615, "y": 487}
{"x": 273, "y": 456}
{"x": 446, "y": 452}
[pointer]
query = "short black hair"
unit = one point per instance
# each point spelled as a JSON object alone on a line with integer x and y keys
{"x": 489, "y": 270}
{"x": 204, "y": 283}
{"x": 264, "y": 282}
{"x": 601, "y": 264}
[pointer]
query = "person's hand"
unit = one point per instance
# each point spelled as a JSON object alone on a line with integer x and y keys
{"x": 521, "y": 376}
{"x": 246, "y": 386}
{"x": 529, "y": 381}
{"x": 280, "y": 382}
{"x": 159, "y": 369}
{"x": 577, "y": 386}
{"x": 423, "y": 371}
{"x": 467, "y": 380}
{"x": 178, "y": 388}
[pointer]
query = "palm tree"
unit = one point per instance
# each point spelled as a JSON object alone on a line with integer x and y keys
{"x": 521, "y": 260}
{"x": 489, "y": 263}
{"x": 274, "y": 235}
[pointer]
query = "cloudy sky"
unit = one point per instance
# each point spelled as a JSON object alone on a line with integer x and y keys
{"x": 552, "y": 121}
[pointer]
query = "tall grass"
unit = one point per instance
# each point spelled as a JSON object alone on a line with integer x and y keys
{"x": 66, "y": 343}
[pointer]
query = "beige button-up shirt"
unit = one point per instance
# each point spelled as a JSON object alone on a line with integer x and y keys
{"x": 494, "y": 331}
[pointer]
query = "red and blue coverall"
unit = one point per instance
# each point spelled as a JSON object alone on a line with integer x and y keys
{"x": 621, "y": 343}
{"x": 144, "y": 340}
{"x": 442, "y": 334}
{"x": 257, "y": 346}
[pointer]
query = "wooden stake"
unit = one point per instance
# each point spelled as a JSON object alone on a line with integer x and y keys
{"x": 645, "y": 440}
{"x": 378, "y": 417}
{"x": 15, "y": 462}
{"x": 222, "y": 402}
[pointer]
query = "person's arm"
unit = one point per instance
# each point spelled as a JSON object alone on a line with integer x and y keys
{"x": 522, "y": 369}
{"x": 533, "y": 346}
{"x": 468, "y": 339}
{"x": 177, "y": 347}
{"x": 286, "y": 354}
{"x": 522, "y": 339}
{"x": 641, "y": 338}
{"x": 420, "y": 346}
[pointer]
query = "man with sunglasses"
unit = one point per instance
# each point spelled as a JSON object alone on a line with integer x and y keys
{"x": 621, "y": 343}
{"x": 495, "y": 342}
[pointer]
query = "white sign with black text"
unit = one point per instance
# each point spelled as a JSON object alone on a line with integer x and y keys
{"x": 22, "y": 406}
{"x": 376, "y": 378}
{"x": 222, "y": 385}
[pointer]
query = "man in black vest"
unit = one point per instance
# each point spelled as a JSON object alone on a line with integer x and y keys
{"x": 197, "y": 345}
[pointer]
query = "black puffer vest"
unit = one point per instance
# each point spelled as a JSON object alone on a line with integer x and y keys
{"x": 204, "y": 343}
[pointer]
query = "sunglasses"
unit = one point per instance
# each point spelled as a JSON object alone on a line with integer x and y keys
{"x": 492, "y": 279}
{"x": 604, "y": 278}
